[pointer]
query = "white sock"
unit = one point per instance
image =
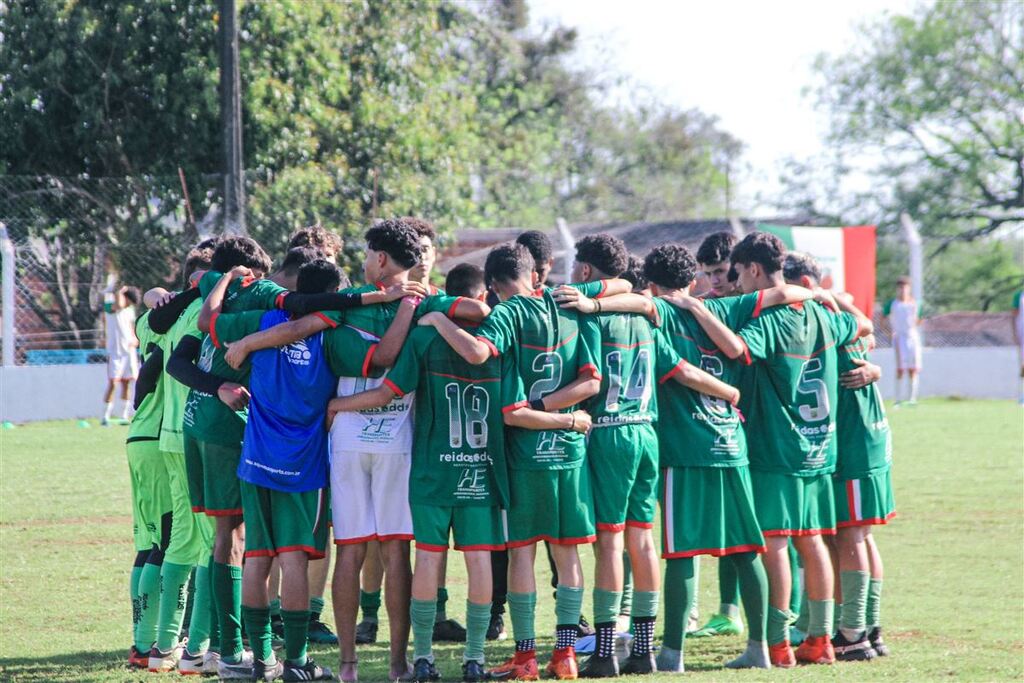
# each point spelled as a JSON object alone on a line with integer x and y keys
{"x": 126, "y": 414}
{"x": 913, "y": 386}
{"x": 108, "y": 410}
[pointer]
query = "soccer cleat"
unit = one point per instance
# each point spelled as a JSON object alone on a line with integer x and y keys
{"x": 242, "y": 669}
{"x": 136, "y": 659}
{"x": 366, "y": 632}
{"x": 449, "y": 631}
{"x": 563, "y": 664}
{"x": 816, "y": 650}
{"x": 424, "y": 671}
{"x": 162, "y": 662}
{"x": 600, "y": 667}
{"x": 211, "y": 663}
{"x": 719, "y": 625}
{"x": 858, "y": 650}
{"x": 320, "y": 633}
{"x": 263, "y": 671}
{"x": 521, "y": 667}
{"x": 496, "y": 629}
{"x": 310, "y": 671}
{"x": 877, "y": 644}
{"x": 584, "y": 628}
{"x": 781, "y": 655}
{"x": 638, "y": 665}
{"x": 473, "y": 672}
{"x": 190, "y": 664}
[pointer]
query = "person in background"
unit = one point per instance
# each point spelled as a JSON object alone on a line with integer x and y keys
{"x": 122, "y": 348}
{"x": 903, "y": 313}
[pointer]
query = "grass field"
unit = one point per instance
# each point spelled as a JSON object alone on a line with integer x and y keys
{"x": 953, "y": 603}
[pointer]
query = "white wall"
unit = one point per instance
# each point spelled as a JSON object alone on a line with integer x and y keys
{"x": 61, "y": 392}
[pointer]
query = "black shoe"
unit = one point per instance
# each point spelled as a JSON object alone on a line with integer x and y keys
{"x": 858, "y": 650}
{"x": 423, "y": 671}
{"x": 638, "y": 665}
{"x": 261, "y": 671}
{"x": 276, "y": 630}
{"x": 366, "y": 632}
{"x": 584, "y": 628}
{"x": 320, "y": 633}
{"x": 473, "y": 672}
{"x": 877, "y": 644}
{"x": 449, "y": 631}
{"x": 600, "y": 667}
{"x": 496, "y": 629}
{"x": 310, "y": 671}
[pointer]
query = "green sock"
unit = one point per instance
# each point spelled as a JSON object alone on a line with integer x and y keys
{"x": 227, "y": 593}
{"x": 821, "y": 617}
{"x": 568, "y": 605}
{"x": 777, "y": 625}
{"x": 606, "y": 605}
{"x": 873, "y": 611}
{"x": 149, "y": 607}
{"x": 257, "y": 625}
{"x": 275, "y": 607}
{"x": 191, "y": 598}
{"x": 680, "y": 587}
{"x": 199, "y": 623}
{"x": 753, "y": 583}
{"x": 478, "y": 618}
{"x": 316, "y": 608}
{"x": 214, "y": 612}
{"x": 369, "y": 603}
{"x": 626, "y": 604}
{"x": 728, "y": 587}
{"x": 853, "y": 613}
{"x": 442, "y": 601}
{"x": 421, "y": 615}
{"x": 133, "y": 593}
{"x": 522, "y": 608}
{"x": 296, "y": 635}
{"x": 173, "y": 596}
{"x": 645, "y": 603}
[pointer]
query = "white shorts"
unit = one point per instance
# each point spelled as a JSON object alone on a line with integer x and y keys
{"x": 908, "y": 351}
{"x": 123, "y": 367}
{"x": 370, "y": 497}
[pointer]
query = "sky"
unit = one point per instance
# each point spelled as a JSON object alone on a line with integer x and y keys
{"x": 745, "y": 61}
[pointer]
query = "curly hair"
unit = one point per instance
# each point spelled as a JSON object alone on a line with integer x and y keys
{"x": 422, "y": 226}
{"x": 508, "y": 263}
{"x": 317, "y": 237}
{"x": 670, "y": 266}
{"x": 539, "y": 246}
{"x": 634, "y": 274}
{"x": 236, "y": 250}
{"x": 397, "y": 239}
{"x": 762, "y": 248}
{"x": 317, "y": 276}
{"x": 198, "y": 257}
{"x": 604, "y": 252}
{"x": 716, "y": 248}
{"x": 798, "y": 264}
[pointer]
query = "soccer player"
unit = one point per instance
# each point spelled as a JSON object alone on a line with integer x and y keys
{"x": 863, "y": 483}
{"x": 903, "y": 313}
{"x": 542, "y": 251}
{"x": 551, "y": 500}
{"x": 122, "y": 348}
{"x": 317, "y": 237}
{"x": 713, "y": 259}
{"x": 790, "y": 430}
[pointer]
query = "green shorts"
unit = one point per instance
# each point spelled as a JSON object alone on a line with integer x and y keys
{"x": 284, "y": 522}
{"x": 151, "y": 495}
{"x": 623, "y": 462}
{"x": 787, "y": 505}
{"x": 708, "y": 511}
{"x": 549, "y": 505}
{"x": 191, "y": 536}
{"x": 194, "y": 469}
{"x": 865, "y": 502}
{"x": 475, "y": 527}
{"x": 217, "y": 469}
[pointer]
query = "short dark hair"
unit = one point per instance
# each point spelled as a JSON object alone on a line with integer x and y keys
{"x": 298, "y": 257}
{"x": 397, "y": 239}
{"x": 133, "y": 294}
{"x": 903, "y": 280}
{"x": 465, "y": 279}
{"x": 716, "y": 248}
{"x": 798, "y": 264}
{"x": 198, "y": 257}
{"x": 422, "y": 226}
{"x": 317, "y": 237}
{"x": 236, "y": 250}
{"x": 671, "y": 266}
{"x": 634, "y": 274}
{"x": 762, "y": 248}
{"x": 508, "y": 263}
{"x": 732, "y": 276}
{"x": 539, "y": 245}
{"x": 317, "y": 276}
{"x": 604, "y": 252}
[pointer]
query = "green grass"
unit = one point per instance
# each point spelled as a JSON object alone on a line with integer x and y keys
{"x": 954, "y": 595}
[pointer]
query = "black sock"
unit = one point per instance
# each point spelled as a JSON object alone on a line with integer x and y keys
{"x": 605, "y": 639}
{"x": 565, "y": 635}
{"x": 526, "y": 645}
{"x": 643, "y": 636}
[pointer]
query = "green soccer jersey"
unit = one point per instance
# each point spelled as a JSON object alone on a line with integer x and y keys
{"x": 145, "y": 423}
{"x": 458, "y": 453}
{"x": 373, "y": 321}
{"x": 628, "y": 353}
{"x": 696, "y": 430}
{"x": 176, "y": 394}
{"x": 550, "y": 347}
{"x": 864, "y": 440}
{"x": 791, "y": 421}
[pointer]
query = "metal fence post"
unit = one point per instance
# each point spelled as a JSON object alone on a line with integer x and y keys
{"x": 7, "y": 247}
{"x": 913, "y": 237}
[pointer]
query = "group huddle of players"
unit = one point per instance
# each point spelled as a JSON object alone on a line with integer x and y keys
{"x": 278, "y": 408}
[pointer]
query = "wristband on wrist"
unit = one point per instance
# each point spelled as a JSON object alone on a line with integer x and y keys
{"x": 598, "y": 302}
{"x": 537, "y": 404}
{"x": 573, "y": 425}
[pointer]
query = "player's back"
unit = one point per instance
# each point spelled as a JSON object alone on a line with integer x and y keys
{"x": 864, "y": 440}
{"x": 627, "y": 357}
{"x": 146, "y": 422}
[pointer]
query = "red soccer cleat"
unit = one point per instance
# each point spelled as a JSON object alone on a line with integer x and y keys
{"x": 781, "y": 655}
{"x": 816, "y": 650}
{"x": 563, "y": 665}
{"x": 521, "y": 667}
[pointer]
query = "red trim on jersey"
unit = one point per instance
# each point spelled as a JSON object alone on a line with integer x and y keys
{"x": 313, "y": 553}
{"x": 797, "y": 305}
{"x": 589, "y": 369}
{"x": 393, "y": 387}
{"x": 851, "y": 503}
{"x": 369, "y": 359}
{"x": 604, "y": 288}
{"x": 473, "y": 380}
{"x": 330, "y": 323}
{"x": 745, "y": 358}
{"x": 759, "y": 304}
{"x": 198, "y": 508}
{"x": 247, "y": 280}
{"x": 676, "y": 369}
{"x": 515, "y": 406}
{"x": 632, "y": 523}
{"x": 279, "y": 300}
{"x": 431, "y": 548}
{"x": 223, "y": 513}
{"x": 602, "y": 526}
{"x": 551, "y": 348}
{"x": 477, "y": 548}
{"x": 715, "y": 552}
{"x": 455, "y": 304}
{"x": 798, "y": 532}
{"x": 490, "y": 345}
{"x": 551, "y": 539}
{"x": 872, "y": 521}
{"x": 627, "y": 346}
{"x": 213, "y": 329}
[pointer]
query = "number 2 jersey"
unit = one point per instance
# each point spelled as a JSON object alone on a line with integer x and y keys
{"x": 791, "y": 422}
{"x": 550, "y": 347}
{"x": 458, "y": 455}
